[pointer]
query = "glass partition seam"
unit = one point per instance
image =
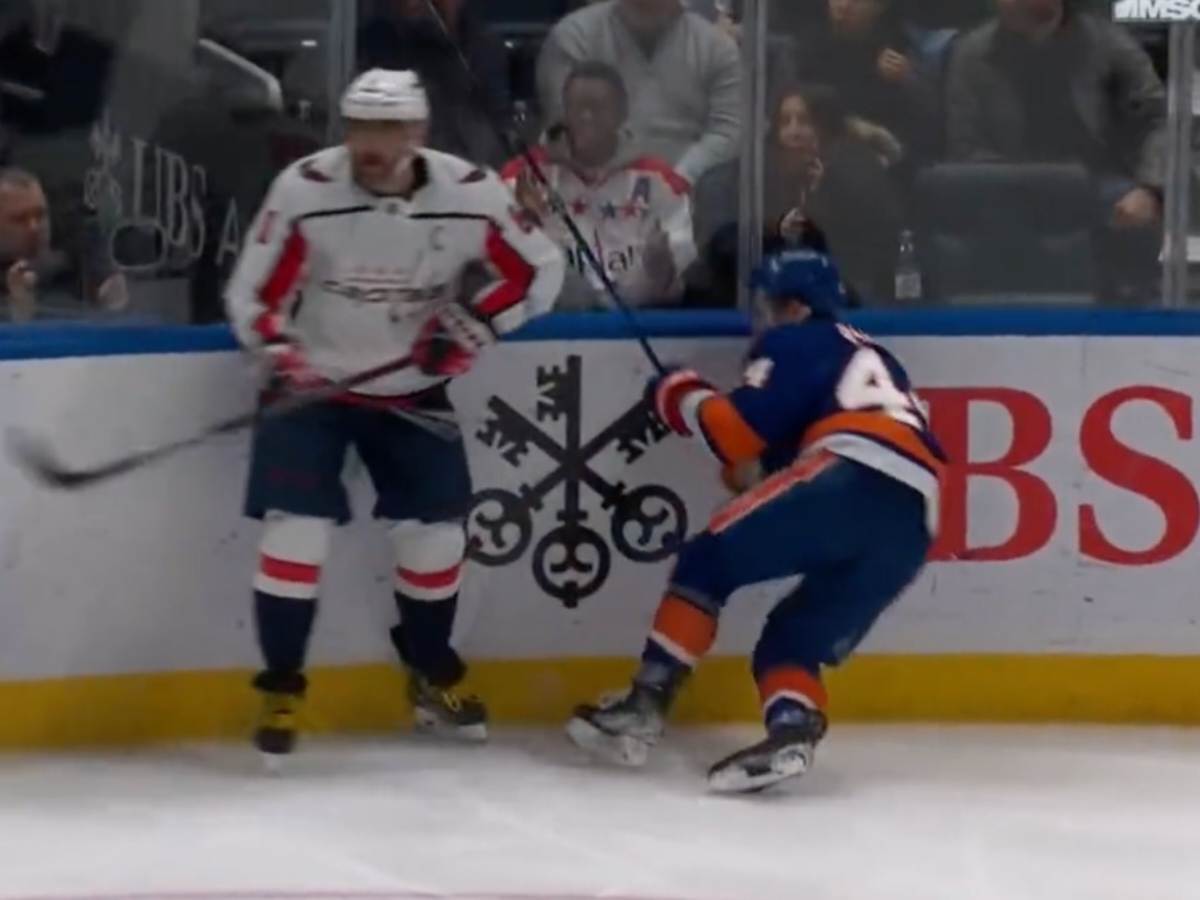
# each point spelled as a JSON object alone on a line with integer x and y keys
{"x": 1177, "y": 189}
{"x": 342, "y": 60}
{"x": 750, "y": 199}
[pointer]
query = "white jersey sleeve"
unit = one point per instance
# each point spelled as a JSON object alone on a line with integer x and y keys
{"x": 269, "y": 271}
{"x": 374, "y": 270}
{"x": 528, "y": 266}
{"x": 676, "y": 218}
{"x": 667, "y": 212}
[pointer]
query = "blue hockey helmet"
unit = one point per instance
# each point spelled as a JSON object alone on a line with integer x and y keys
{"x": 804, "y": 275}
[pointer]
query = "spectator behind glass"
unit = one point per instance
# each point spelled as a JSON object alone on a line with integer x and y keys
{"x": 1045, "y": 83}
{"x": 406, "y": 36}
{"x": 863, "y": 51}
{"x": 55, "y": 76}
{"x": 720, "y": 12}
{"x": 826, "y": 186}
{"x": 634, "y": 208}
{"x": 39, "y": 282}
{"x": 819, "y": 173}
{"x": 682, "y": 73}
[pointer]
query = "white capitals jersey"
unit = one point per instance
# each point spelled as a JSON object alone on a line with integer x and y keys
{"x": 617, "y": 211}
{"x": 352, "y": 277}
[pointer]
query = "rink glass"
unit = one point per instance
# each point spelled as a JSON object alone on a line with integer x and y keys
{"x": 180, "y": 112}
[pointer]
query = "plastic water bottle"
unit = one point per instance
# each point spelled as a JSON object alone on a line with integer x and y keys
{"x": 908, "y": 270}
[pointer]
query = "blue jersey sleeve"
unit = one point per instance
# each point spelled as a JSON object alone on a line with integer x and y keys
{"x": 789, "y": 379}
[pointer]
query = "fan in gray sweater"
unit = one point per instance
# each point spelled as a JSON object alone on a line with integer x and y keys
{"x": 683, "y": 74}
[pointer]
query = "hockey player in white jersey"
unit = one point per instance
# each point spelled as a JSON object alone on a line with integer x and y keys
{"x": 376, "y": 251}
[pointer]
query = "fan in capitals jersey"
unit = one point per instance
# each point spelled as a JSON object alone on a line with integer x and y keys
{"x": 839, "y": 480}
{"x": 375, "y": 252}
{"x": 634, "y": 210}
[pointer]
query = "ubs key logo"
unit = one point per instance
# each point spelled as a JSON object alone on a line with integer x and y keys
{"x": 572, "y": 560}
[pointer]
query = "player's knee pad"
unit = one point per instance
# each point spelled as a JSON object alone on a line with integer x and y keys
{"x": 292, "y": 551}
{"x": 429, "y": 559}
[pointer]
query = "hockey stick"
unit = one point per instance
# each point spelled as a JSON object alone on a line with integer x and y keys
{"x": 35, "y": 456}
{"x": 518, "y": 146}
{"x": 444, "y": 427}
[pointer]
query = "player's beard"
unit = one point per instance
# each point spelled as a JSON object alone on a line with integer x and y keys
{"x": 378, "y": 174}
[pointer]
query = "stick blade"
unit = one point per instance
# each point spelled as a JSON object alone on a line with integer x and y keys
{"x": 36, "y": 459}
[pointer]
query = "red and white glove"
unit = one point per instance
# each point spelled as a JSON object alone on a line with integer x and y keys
{"x": 450, "y": 342}
{"x": 289, "y": 367}
{"x": 676, "y": 396}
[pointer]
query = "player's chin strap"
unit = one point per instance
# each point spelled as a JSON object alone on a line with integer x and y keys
{"x": 517, "y": 146}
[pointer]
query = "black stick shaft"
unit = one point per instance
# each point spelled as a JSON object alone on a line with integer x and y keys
{"x": 36, "y": 458}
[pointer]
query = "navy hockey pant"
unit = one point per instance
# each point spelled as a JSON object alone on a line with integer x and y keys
{"x": 857, "y": 536}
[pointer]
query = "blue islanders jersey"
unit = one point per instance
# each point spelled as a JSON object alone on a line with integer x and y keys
{"x": 821, "y": 385}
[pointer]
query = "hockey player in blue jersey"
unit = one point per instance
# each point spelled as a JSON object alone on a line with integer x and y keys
{"x": 844, "y": 491}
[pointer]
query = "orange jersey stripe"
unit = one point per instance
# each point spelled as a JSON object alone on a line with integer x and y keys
{"x": 727, "y": 432}
{"x": 880, "y": 427}
{"x": 804, "y": 469}
{"x": 684, "y": 626}
{"x": 793, "y": 681}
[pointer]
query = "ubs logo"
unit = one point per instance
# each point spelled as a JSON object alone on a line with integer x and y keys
{"x": 161, "y": 221}
{"x": 572, "y": 561}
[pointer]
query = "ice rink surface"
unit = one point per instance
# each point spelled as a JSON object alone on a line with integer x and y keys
{"x": 890, "y": 812}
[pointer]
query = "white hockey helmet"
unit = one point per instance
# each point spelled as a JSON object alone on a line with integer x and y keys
{"x": 386, "y": 95}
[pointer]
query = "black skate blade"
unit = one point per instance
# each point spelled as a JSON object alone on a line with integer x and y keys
{"x": 274, "y": 746}
{"x": 615, "y": 749}
{"x": 430, "y": 725}
{"x": 734, "y": 777}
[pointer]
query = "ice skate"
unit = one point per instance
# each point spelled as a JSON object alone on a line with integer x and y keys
{"x": 444, "y": 712}
{"x": 275, "y": 733}
{"x": 621, "y": 729}
{"x": 787, "y": 752}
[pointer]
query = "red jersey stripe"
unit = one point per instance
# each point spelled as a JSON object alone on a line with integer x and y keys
{"x": 281, "y": 283}
{"x": 516, "y": 272}
{"x": 518, "y": 164}
{"x": 430, "y": 580}
{"x": 284, "y": 570}
{"x": 664, "y": 170}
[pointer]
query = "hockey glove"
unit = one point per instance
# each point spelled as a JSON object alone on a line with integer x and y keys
{"x": 450, "y": 341}
{"x": 740, "y": 477}
{"x": 289, "y": 368}
{"x": 676, "y": 395}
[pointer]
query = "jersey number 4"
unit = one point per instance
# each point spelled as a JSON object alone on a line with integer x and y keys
{"x": 867, "y": 384}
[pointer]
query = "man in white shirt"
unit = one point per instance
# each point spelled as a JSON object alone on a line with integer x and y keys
{"x": 633, "y": 209}
{"x": 682, "y": 72}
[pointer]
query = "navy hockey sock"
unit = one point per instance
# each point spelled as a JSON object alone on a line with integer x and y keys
{"x": 423, "y": 640}
{"x": 659, "y": 669}
{"x": 284, "y": 626}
